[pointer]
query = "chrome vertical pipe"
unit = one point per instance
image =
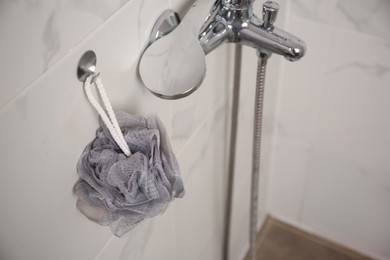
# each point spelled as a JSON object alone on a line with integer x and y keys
{"x": 232, "y": 150}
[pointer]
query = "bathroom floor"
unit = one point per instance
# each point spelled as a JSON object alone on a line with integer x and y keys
{"x": 279, "y": 241}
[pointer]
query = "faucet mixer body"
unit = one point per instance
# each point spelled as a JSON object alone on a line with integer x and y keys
{"x": 234, "y": 21}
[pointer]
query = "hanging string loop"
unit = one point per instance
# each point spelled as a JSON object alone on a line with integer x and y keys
{"x": 107, "y": 114}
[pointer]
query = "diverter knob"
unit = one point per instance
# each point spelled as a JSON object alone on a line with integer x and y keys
{"x": 270, "y": 11}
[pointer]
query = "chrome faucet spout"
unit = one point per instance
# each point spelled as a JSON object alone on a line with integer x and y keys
{"x": 274, "y": 41}
{"x": 233, "y": 21}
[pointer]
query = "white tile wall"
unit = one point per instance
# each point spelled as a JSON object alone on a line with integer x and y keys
{"x": 46, "y": 122}
{"x": 297, "y": 118}
{"x": 331, "y": 170}
{"x": 366, "y": 16}
{"x": 325, "y": 141}
{"x": 36, "y": 34}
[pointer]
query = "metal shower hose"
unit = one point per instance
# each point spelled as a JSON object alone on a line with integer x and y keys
{"x": 258, "y": 116}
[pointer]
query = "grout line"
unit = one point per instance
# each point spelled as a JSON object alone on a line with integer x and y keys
{"x": 104, "y": 248}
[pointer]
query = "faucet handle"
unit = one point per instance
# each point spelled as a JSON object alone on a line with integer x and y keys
{"x": 270, "y": 11}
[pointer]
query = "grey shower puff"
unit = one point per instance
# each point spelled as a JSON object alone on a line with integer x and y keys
{"x": 121, "y": 191}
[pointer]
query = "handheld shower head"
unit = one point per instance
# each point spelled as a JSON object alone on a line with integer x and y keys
{"x": 174, "y": 65}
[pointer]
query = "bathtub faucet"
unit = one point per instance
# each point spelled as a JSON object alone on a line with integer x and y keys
{"x": 234, "y": 21}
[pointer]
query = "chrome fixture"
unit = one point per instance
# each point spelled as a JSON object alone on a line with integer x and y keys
{"x": 234, "y": 21}
{"x": 173, "y": 65}
{"x": 86, "y": 65}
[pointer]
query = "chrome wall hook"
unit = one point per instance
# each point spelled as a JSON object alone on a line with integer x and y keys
{"x": 86, "y": 65}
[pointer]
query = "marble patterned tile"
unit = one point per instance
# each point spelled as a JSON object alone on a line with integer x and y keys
{"x": 349, "y": 144}
{"x": 316, "y": 10}
{"x": 40, "y": 149}
{"x": 200, "y": 213}
{"x": 289, "y": 179}
{"x": 353, "y": 78}
{"x": 37, "y": 34}
{"x": 152, "y": 239}
{"x": 212, "y": 248}
{"x": 131, "y": 245}
{"x": 187, "y": 113}
{"x": 353, "y": 143}
{"x": 346, "y": 202}
{"x": 298, "y": 103}
{"x": 363, "y": 16}
{"x": 44, "y": 130}
{"x": 331, "y": 169}
{"x": 371, "y": 17}
{"x": 300, "y": 92}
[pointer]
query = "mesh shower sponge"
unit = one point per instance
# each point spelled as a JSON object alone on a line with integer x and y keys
{"x": 122, "y": 191}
